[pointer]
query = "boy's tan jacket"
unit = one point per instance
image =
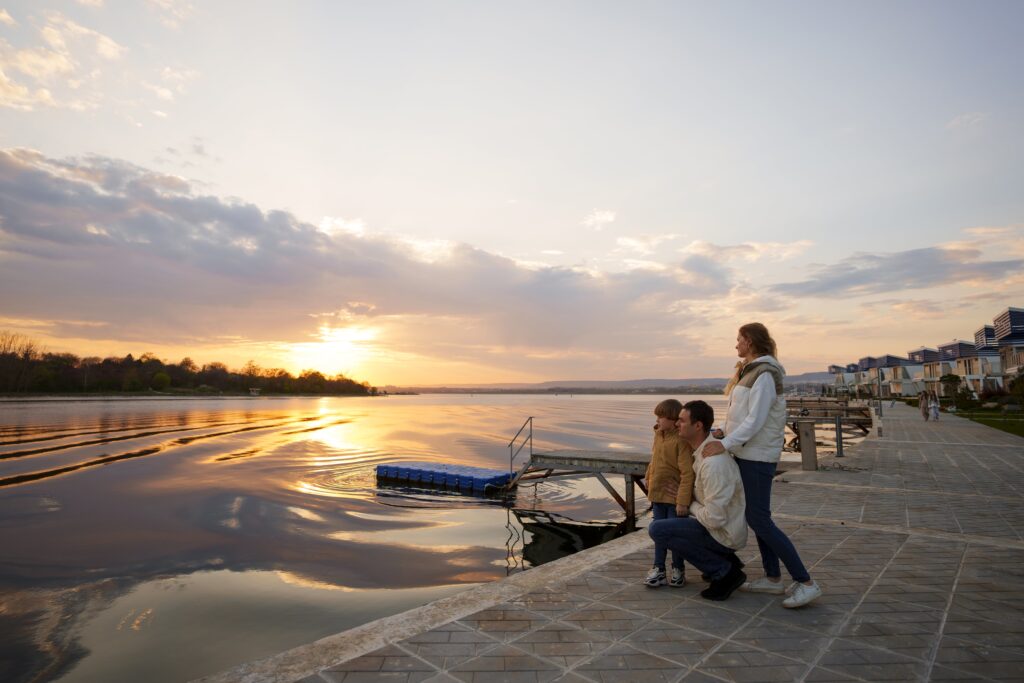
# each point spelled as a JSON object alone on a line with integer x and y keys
{"x": 670, "y": 470}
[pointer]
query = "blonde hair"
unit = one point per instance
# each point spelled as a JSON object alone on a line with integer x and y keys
{"x": 669, "y": 408}
{"x": 761, "y": 342}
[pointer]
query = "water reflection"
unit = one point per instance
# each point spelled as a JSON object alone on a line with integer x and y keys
{"x": 234, "y": 529}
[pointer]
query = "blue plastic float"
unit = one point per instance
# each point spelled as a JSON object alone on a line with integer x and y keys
{"x": 457, "y": 477}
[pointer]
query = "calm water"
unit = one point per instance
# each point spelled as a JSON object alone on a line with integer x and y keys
{"x": 135, "y": 531}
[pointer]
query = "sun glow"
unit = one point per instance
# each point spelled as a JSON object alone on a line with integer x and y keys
{"x": 342, "y": 350}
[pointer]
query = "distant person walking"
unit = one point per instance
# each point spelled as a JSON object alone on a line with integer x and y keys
{"x": 754, "y": 427}
{"x": 924, "y": 404}
{"x": 933, "y": 406}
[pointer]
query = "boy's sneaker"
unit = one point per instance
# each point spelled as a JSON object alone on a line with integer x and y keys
{"x": 802, "y": 595}
{"x": 763, "y": 585}
{"x": 721, "y": 589}
{"x": 678, "y": 578}
{"x": 655, "y": 577}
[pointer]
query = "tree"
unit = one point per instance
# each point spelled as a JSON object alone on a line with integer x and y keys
{"x": 161, "y": 381}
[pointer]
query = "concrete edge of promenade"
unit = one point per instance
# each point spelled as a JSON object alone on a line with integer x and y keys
{"x": 305, "y": 660}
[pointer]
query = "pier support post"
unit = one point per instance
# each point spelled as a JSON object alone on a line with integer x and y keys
{"x": 808, "y": 445}
{"x": 839, "y": 436}
{"x": 630, "y": 503}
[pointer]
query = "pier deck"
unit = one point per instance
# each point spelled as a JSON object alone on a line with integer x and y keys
{"x": 574, "y": 463}
{"x": 917, "y": 539}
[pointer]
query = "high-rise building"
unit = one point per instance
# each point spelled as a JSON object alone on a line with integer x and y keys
{"x": 1009, "y": 327}
{"x": 985, "y": 337}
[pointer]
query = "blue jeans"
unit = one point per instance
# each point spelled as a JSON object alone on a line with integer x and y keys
{"x": 664, "y": 511}
{"x": 690, "y": 541}
{"x": 773, "y": 543}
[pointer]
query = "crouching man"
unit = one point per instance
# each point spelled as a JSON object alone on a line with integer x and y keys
{"x": 716, "y": 528}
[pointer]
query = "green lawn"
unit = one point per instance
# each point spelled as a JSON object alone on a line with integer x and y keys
{"x": 1013, "y": 425}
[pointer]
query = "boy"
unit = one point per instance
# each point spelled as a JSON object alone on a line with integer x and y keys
{"x": 669, "y": 487}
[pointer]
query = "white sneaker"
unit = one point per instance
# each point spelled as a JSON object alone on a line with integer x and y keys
{"x": 802, "y": 595}
{"x": 678, "y": 578}
{"x": 655, "y": 578}
{"x": 764, "y": 585}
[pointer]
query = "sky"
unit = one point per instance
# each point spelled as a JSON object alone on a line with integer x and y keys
{"x": 463, "y": 192}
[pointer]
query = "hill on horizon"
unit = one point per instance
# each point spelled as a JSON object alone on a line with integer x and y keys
{"x": 615, "y": 385}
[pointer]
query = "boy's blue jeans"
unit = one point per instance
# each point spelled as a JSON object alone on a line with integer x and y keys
{"x": 664, "y": 511}
{"x": 773, "y": 543}
{"x": 690, "y": 541}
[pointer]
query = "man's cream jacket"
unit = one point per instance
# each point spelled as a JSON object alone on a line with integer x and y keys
{"x": 718, "y": 502}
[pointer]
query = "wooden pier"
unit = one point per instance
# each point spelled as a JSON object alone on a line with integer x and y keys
{"x": 574, "y": 463}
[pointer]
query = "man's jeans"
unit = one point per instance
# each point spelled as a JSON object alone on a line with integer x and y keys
{"x": 664, "y": 511}
{"x": 689, "y": 540}
{"x": 773, "y": 543}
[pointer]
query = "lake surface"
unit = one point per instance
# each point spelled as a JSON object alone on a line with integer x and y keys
{"x": 163, "y": 540}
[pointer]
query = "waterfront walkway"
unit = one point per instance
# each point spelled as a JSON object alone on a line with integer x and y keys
{"x": 917, "y": 537}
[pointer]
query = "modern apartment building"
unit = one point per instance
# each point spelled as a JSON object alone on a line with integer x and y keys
{"x": 995, "y": 357}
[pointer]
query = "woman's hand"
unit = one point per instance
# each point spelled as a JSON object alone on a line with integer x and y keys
{"x": 682, "y": 511}
{"x": 712, "y": 448}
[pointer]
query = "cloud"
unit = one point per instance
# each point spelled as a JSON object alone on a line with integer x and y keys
{"x": 90, "y": 3}
{"x": 67, "y": 59}
{"x": 969, "y": 121}
{"x": 749, "y": 251}
{"x": 173, "y": 13}
{"x": 598, "y": 218}
{"x": 867, "y": 274}
{"x": 6, "y": 19}
{"x": 150, "y": 257}
{"x": 644, "y": 244}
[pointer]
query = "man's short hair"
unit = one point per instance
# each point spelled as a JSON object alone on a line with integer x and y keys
{"x": 701, "y": 412}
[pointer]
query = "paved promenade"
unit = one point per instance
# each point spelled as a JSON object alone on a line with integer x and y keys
{"x": 917, "y": 537}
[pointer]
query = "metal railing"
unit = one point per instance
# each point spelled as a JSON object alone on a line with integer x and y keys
{"x": 527, "y": 439}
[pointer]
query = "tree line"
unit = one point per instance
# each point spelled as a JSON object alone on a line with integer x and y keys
{"x": 26, "y": 368}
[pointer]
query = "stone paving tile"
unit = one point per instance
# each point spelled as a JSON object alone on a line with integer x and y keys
{"x": 448, "y": 645}
{"x": 389, "y": 663}
{"x": 818, "y": 617}
{"x": 563, "y": 643}
{"x": 606, "y": 621}
{"x": 736, "y": 662}
{"x": 622, "y": 662}
{"x": 550, "y": 603}
{"x": 857, "y": 659}
{"x": 676, "y": 643}
{"x": 783, "y": 640}
{"x": 981, "y": 660}
{"x": 707, "y": 617}
{"x": 977, "y": 629}
{"x": 650, "y": 601}
{"x": 822, "y": 675}
{"x": 506, "y": 664}
{"x": 590, "y": 586}
{"x": 504, "y": 622}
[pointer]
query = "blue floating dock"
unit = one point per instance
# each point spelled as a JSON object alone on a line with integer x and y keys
{"x": 461, "y": 477}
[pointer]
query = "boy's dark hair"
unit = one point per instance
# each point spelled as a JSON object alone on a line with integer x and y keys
{"x": 701, "y": 412}
{"x": 669, "y": 408}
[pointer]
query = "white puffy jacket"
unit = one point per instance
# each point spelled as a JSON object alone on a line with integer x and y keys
{"x": 756, "y": 418}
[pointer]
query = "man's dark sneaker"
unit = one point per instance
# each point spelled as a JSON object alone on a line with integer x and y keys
{"x": 721, "y": 589}
{"x": 734, "y": 560}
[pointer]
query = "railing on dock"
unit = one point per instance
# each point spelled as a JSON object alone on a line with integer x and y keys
{"x": 527, "y": 439}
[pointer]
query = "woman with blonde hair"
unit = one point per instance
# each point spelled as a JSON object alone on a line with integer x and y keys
{"x": 753, "y": 434}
